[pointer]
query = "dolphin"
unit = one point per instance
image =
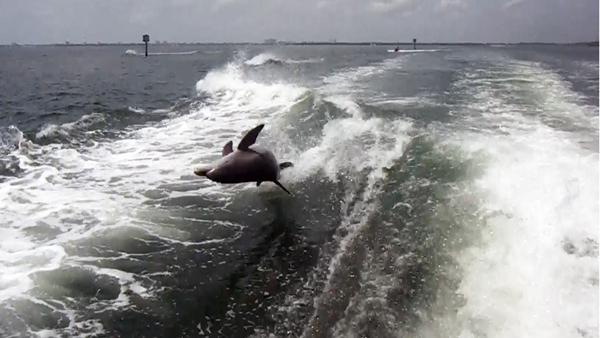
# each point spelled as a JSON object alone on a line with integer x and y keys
{"x": 245, "y": 164}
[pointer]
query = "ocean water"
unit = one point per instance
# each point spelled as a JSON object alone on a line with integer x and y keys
{"x": 446, "y": 192}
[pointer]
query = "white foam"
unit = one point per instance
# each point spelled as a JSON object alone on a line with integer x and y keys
{"x": 352, "y": 144}
{"x": 83, "y": 123}
{"x": 520, "y": 280}
{"x": 546, "y": 97}
{"x": 10, "y": 137}
{"x": 261, "y": 59}
{"x": 18, "y": 263}
{"x": 402, "y": 102}
{"x": 556, "y": 97}
{"x": 354, "y": 83}
{"x": 349, "y": 80}
{"x": 135, "y": 53}
{"x": 136, "y": 110}
{"x": 231, "y": 92}
{"x": 535, "y": 271}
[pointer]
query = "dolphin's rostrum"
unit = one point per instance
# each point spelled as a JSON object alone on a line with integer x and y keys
{"x": 245, "y": 164}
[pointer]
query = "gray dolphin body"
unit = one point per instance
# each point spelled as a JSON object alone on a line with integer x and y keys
{"x": 245, "y": 164}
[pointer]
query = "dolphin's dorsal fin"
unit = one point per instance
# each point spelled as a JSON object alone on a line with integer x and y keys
{"x": 250, "y": 138}
{"x": 227, "y": 149}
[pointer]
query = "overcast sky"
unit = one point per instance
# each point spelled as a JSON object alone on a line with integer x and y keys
{"x": 48, "y": 21}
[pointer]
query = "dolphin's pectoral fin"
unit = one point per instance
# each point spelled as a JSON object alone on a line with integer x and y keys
{"x": 250, "y": 138}
{"x": 258, "y": 183}
{"x": 227, "y": 149}
{"x": 281, "y": 186}
{"x": 284, "y": 165}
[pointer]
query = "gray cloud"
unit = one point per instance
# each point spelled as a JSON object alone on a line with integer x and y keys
{"x": 46, "y": 21}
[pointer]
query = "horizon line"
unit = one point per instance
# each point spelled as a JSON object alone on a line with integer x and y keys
{"x": 67, "y": 43}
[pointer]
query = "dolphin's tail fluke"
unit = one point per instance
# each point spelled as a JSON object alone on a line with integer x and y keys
{"x": 284, "y": 165}
{"x": 281, "y": 186}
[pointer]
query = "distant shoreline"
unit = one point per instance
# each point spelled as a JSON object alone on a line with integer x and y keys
{"x": 591, "y": 44}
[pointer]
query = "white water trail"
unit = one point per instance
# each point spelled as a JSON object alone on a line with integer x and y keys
{"x": 535, "y": 271}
